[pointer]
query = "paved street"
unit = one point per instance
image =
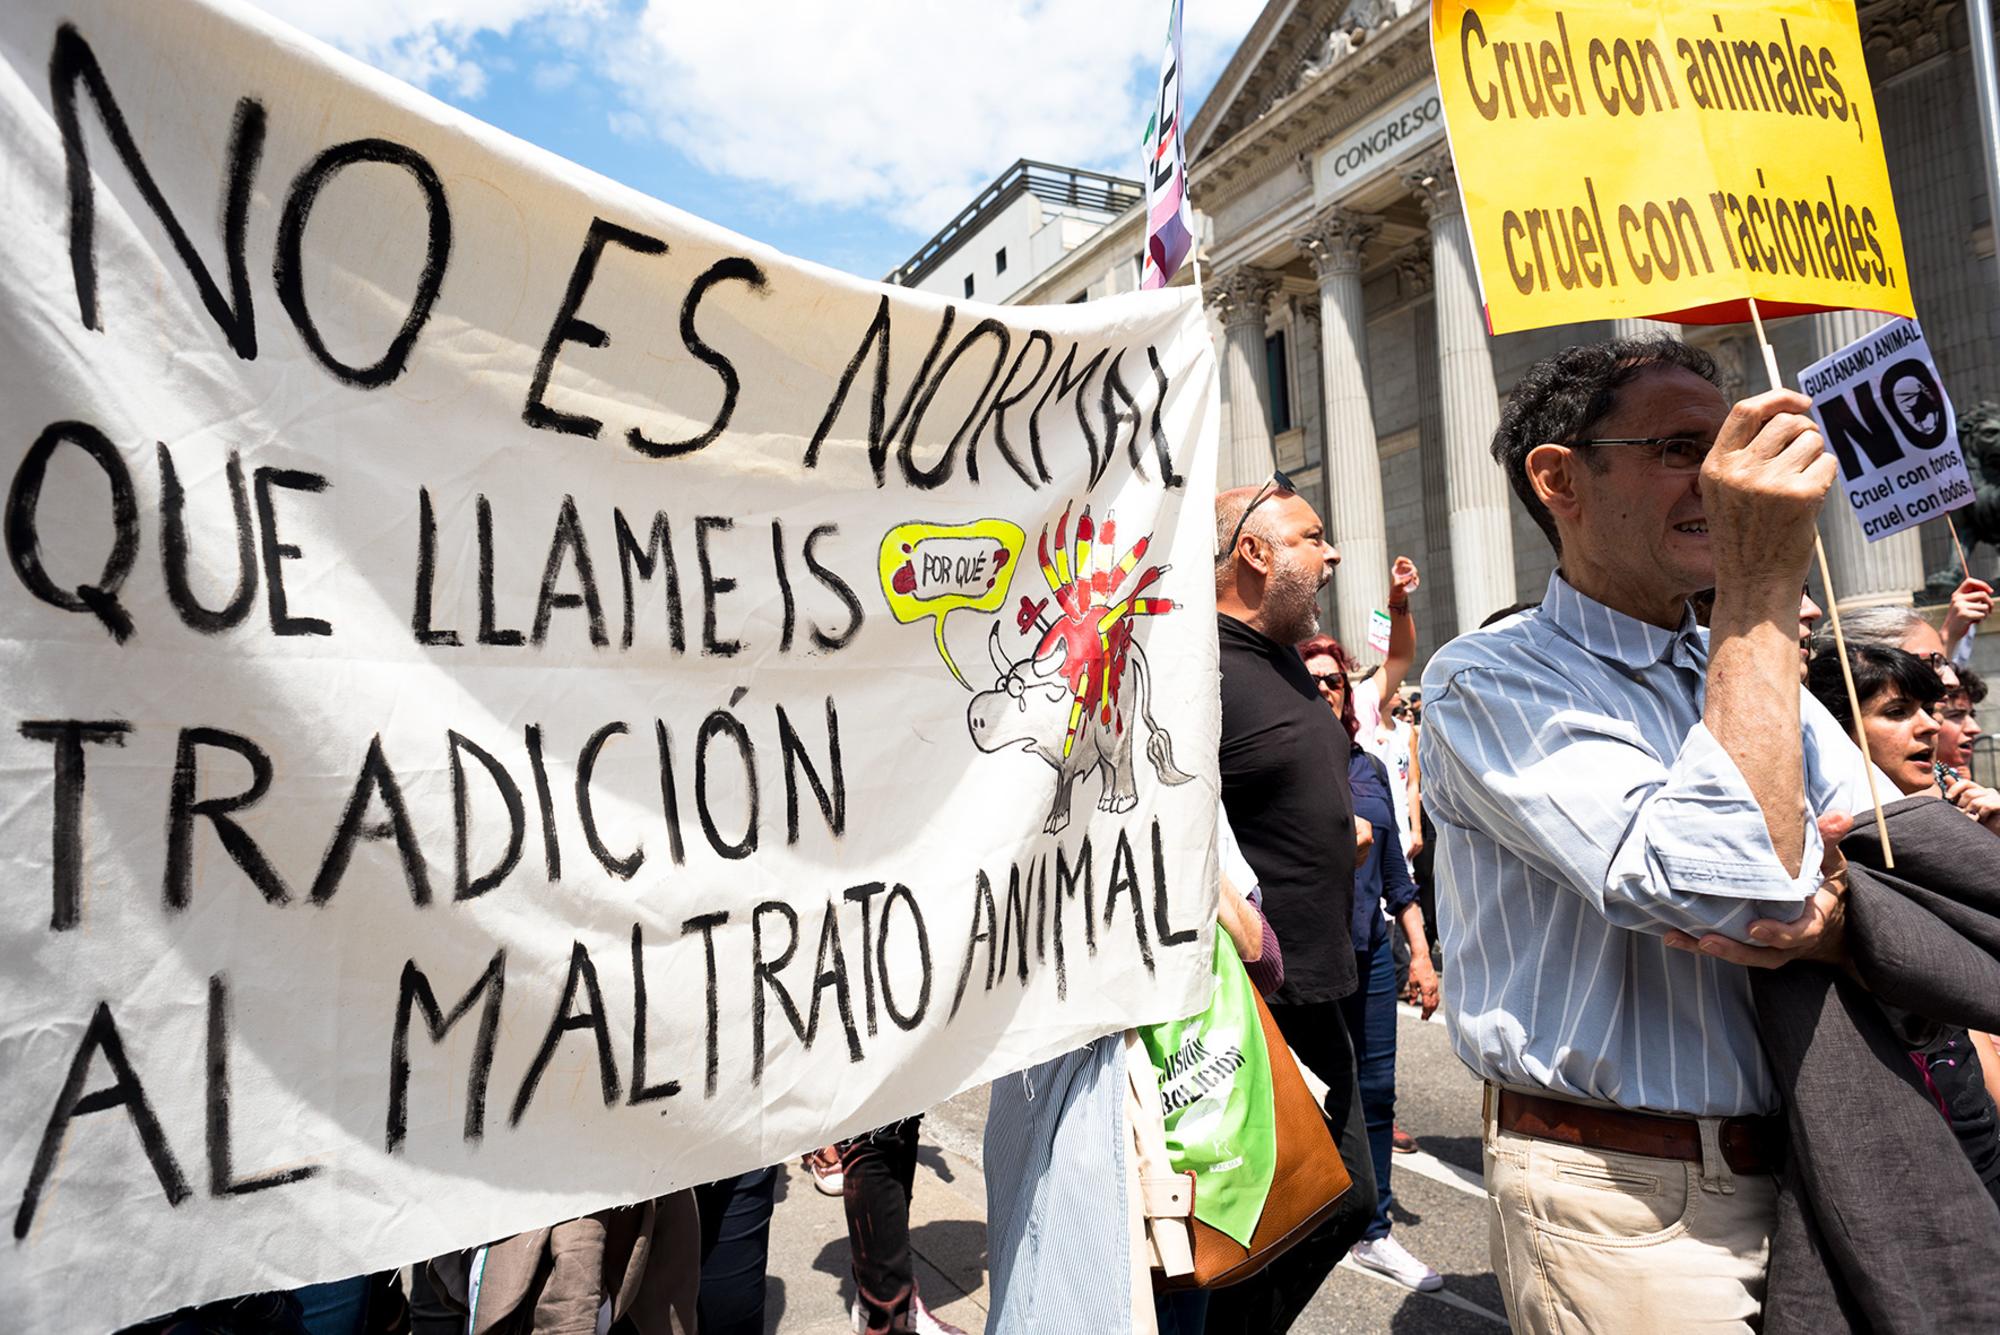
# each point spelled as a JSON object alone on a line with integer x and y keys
{"x": 1442, "y": 1220}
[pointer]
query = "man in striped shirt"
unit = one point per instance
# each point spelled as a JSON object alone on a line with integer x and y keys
{"x": 1632, "y": 812}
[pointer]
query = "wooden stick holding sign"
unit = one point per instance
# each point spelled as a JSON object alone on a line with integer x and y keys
{"x": 1833, "y": 615}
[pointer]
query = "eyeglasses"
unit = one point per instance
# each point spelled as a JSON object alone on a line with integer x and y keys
{"x": 1279, "y": 482}
{"x": 1333, "y": 681}
{"x": 1677, "y": 454}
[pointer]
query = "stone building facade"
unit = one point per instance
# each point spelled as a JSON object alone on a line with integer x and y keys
{"x": 1339, "y": 281}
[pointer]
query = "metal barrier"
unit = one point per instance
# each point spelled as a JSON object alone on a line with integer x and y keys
{"x": 1986, "y": 761}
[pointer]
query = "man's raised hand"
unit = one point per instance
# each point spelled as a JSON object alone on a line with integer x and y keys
{"x": 1762, "y": 486}
{"x": 1971, "y": 603}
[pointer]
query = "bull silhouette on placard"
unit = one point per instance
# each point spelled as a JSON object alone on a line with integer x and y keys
{"x": 1078, "y": 698}
{"x": 1918, "y": 402}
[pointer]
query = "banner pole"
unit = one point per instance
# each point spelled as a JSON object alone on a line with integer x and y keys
{"x": 1957, "y": 546}
{"x": 1847, "y": 679}
{"x": 1833, "y": 614}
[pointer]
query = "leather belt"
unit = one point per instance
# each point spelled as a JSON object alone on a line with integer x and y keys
{"x": 1749, "y": 1144}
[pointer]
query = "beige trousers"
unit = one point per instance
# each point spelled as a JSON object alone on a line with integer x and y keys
{"x": 1587, "y": 1242}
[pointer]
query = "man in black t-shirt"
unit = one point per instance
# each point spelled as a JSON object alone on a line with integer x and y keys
{"x": 1284, "y": 786}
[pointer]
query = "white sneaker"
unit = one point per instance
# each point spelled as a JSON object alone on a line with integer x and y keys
{"x": 823, "y": 1166}
{"x": 921, "y": 1319}
{"x": 926, "y": 1324}
{"x": 1386, "y": 1256}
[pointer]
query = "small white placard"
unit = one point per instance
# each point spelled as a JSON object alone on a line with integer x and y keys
{"x": 1882, "y": 407}
{"x": 1378, "y": 631}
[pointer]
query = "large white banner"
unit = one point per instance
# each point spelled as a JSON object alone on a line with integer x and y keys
{"x": 519, "y": 700}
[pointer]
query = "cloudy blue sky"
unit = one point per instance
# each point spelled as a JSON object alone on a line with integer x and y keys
{"x": 844, "y": 133}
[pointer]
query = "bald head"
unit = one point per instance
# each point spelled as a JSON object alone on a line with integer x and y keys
{"x": 1272, "y": 559}
{"x": 1229, "y": 508}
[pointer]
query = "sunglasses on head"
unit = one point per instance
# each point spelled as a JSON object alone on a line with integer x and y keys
{"x": 1279, "y": 482}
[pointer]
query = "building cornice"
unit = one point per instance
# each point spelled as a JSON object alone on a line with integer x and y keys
{"x": 1326, "y": 100}
{"x": 1248, "y": 67}
{"x": 1899, "y": 35}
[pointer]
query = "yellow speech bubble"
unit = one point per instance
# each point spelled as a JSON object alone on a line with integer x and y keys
{"x": 933, "y": 570}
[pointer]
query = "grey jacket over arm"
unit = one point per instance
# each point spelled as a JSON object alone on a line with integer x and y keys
{"x": 1882, "y": 1223}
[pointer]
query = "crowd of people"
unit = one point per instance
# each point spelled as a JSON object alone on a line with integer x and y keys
{"x": 1733, "y": 1080}
{"x": 1624, "y": 837}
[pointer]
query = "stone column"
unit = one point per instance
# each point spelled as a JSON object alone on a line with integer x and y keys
{"x": 1482, "y": 531}
{"x": 1865, "y": 574}
{"x": 1312, "y": 424}
{"x": 1644, "y": 328}
{"x": 1732, "y": 364}
{"x": 1240, "y": 296}
{"x": 1333, "y": 241}
{"x": 1310, "y": 384}
{"x": 1437, "y": 616}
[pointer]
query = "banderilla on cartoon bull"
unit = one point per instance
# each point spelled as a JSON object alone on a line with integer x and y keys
{"x": 1077, "y": 699}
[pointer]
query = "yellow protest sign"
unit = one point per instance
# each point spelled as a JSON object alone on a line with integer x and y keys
{"x": 1650, "y": 158}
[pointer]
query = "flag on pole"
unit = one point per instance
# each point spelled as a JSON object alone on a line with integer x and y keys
{"x": 1169, "y": 220}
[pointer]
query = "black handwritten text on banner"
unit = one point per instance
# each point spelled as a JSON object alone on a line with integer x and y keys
{"x": 475, "y": 756}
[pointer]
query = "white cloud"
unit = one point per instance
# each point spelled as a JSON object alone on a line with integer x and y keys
{"x": 628, "y": 125}
{"x": 423, "y": 41}
{"x": 553, "y": 78}
{"x": 904, "y": 106}
{"x": 901, "y": 108}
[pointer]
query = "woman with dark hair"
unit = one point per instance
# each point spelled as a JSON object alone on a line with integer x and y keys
{"x": 1958, "y": 710}
{"x": 1898, "y": 692}
{"x": 1380, "y": 877}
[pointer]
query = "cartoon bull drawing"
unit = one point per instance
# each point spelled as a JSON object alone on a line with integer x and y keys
{"x": 1029, "y": 707}
{"x": 1079, "y": 697}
